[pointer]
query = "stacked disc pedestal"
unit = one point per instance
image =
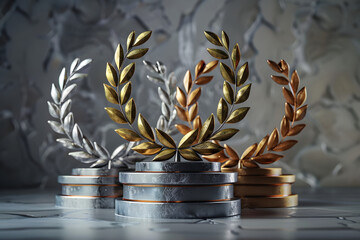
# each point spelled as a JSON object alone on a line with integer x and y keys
{"x": 89, "y": 188}
{"x": 177, "y": 190}
{"x": 265, "y": 188}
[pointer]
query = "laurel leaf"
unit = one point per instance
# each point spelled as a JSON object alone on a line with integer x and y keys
{"x": 296, "y": 129}
{"x": 267, "y": 158}
{"x": 66, "y": 92}
{"x": 164, "y": 96}
{"x": 249, "y": 152}
{"x": 193, "y": 111}
{"x": 217, "y": 53}
{"x": 145, "y": 128}
{"x": 119, "y": 56}
{"x": 301, "y": 97}
{"x": 207, "y": 148}
{"x": 83, "y": 63}
{"x": 127, "y": 73}
{"x": 284, "y": 126}
{"x": 183, "y": 129}
{"x": 62, "y": 79}
{"x": 273, "y": 139}
{"x": 289, "y": 113}
{"x": 210, "y": 66}
{"x": 128, "y": 134}
{"x": 242, "y": 74}
{"x": 194, "y": 96}
{"x": 230, "y": 163}
{"x": 56, "y": 127}
{"x": 111, "y": 75}
{"x": 130, "y": 40}
{"x": 147, "y": 148}
{"x": 213, "y": 38}
{"x": 280, "y": 80}
{"x": 274, "y": 66}
{"x": 189, "y": 154}
{"x": 199, "y": 68}
{"x": 74, "y": 64}
{"x": 285, "y": 67}
{"x": 250, "y": 164}
{"x": 235, "y": 56}
{"x": 217, "y": 157}
{"x": 225, "y": 40}
{"x": 187, "y": 81}
{"x": 137, "y": 53}
{"x": 142, "y": 38}
{"x": 231, "y": 152}
{"x": 165, "y": 154}
{"x": 300, "y": 113}
{"x": 53, "y": 110}
{"x": 197, "y": 123}
{"x": 261, "y": 146}
{"x": 283, "y": 146}
{"x": 165, "y": 139}
{"x": 130, "y": 110}
{"x": 182, "y": 113}
{"x": 180, "y": 97}
{"x": 228, "y": 92}
{"x": 238, "y": 115}
{"x": 295, "y": 80}
{"x": 224, "y": 134}
{"x": 207, "y": 128}
{"x": 116, "y": 115}
{"x": 289, "y": 97}
{"x": 222, "y": 110}
{"x": 125, "y": 93}
{"x": 203, "y": 80}
{"x": 188, "y": 139}
{"x": 243, "y": 94}
{"x": 110, "y": 94}
{"x": 227, "y": 73}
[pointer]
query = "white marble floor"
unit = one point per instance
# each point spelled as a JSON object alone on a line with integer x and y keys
{"x": 322, "y": 214}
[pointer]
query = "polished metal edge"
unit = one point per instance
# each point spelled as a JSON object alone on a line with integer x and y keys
{"x": 82, "y": 202}
{"x": 84, "y": 190}
{"x": 87, "y": 180}
{"x": 178, "y": 167}
{"x": 191, "y": 210}
{"x": 209, "y": 178}
{"x": 97, "y": 171}
{"x": 186, "y": 193}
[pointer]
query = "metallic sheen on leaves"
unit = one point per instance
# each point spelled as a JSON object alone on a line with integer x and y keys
{"x": 213, "y": 38}
{"x": 165, "y": 139}
{"x": 137, "y": 53}
{"x": 207, "y": 128}
{"x": 125, "y": 93}
{"x": 128, "y": 134}
{"x": 165, "y": 155}
{"x": 147, "y": 148}
{"x": 222, "y": 110}
{"x": 188, "y": 139}
{"x": 243, "y": 94}
{"x": 189, "y": 154}
{"x": 142, "y": 38}
{"x": 242, "y": 74}
{"x": 224, "y": 134}
{"x": 145, "y": 128}
{"x": 110, "y": 94}
{"x": 207, "y": 148}
{"x": 227, "y": 73}
{"x": 115, "y": 115}
{"x": 130, "y": 111}
{"x": 111, "y": 75}
{"x": 119, "y": 56}
{"x": 217, "y": 53}
{"x": 228, "y": 92}
{"x": 127, "y": 73}
{"x": 238, "y": 115}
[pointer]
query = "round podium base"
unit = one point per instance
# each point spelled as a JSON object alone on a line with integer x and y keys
{"x": 84, "y": 202}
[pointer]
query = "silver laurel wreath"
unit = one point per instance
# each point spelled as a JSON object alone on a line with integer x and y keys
{"x": 87, "y": 151}
{"x": 167, "y": 95}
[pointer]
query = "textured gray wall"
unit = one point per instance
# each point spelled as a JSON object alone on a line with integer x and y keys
{"x": 319, "y": 38}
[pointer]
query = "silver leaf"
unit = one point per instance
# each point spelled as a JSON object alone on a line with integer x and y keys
{"x": 66, "y": 143}
{"x": 172, "y": 81}
{"x": 173, "y": 115}
{"x": 99, "y": 163}
{"x": 55, "y": 94}
{"x": 151, "y": 67}
{"x": 130, "y": 145}
{"x": 78, "y": 75}
{"x": 69, "y": 123}
{"x": 77, "y": 135}
{"x": 88, "y": 145}
{"x": 65, "y": 108}
{"x": 53, "y": 110}
{"x": 67, "y": 91}
{"x": 165, "y": 111}
{"x": 62, "y": 78}
{"x": 163, "y": 96}
{"x": 118, "y": 164}
{"x": 120, "y": 149}
{"x": 83, "y": 64}
{"x": 83, "y": 157}
{"x": 161, "y": 67}
{"x": 74, "y": 64}
{"x": 56, "y": 126}
{"x": 156, "y": 80}
{"x": 160, "y": 123}
{"x": 103, "y": 153}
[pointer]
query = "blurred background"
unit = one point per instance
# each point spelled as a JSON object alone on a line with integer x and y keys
{"x": 318, "y": 38}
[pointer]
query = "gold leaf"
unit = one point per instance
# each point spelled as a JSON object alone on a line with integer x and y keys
{"x": 267, "y": 158}
{"x": 145, "y": 128}
{"x": 207, "y": 128}
{"x": 128, "y": 134}
{"x": 210, "y": 66}
{"x": 301, "y": 97}
{"x": 284, "y": 126}
{"x": 283, "y": 146}
{"x": 187, "y": 81}
{"x": 213, "y": 38}
{"x": 274, "y": 66}
{"x": 250, "y": 164}
{"x": 224, "y": 134}
{"x": 273, "y": 139}
{"x": 230, "y": 163}
{"x": 300, "y": 113}
{"x": 182, "y": 113}
{"x": 110, "y": 94}
{"x": 137, "y": 53}
{"x": 111, "y": 75}
{"x": 115, "y": 115}
{"x": 125, "y": 93}
{"x": 235, "y": 56}
{"x": 189, "y": 154}
{"x": 227, "y": 73}
{"x": 193, "y": 111}
{"x": 296, "y": 129}
{"x": 285, "y": 67}
{"x": 288, "y": 96}
{"x": 222, "y": 110}
{"x": 199, "y": 68}
{"x": 197, "y": 123}
{"x": 238, "y": 115}
{"x": 231, "y": 152}
{"x": 242, "y": 74}
{"x": 295, "y": 80}
{"x": 142, "y": 38}
{"x": 203, "y": 80}
{"x": 207, "y": 148}
{"x": 188, "y": 139}
{"x": 289, "y": 111}
{"x": 261, "y": 146}
{"x": 183, "y": 129}
{"x": 249, "y": 152}
{"x": 119, "y": 56}
{"x": 228, "y": 92}
{"x": 194, "y": 96}
{"x": 280, "y": 80}
{"x": 243, "y": 94}
{"x": 165, "y": 139}
{"x": 180, "y": 97}
{"x": 217, "y": 53}
{"x": 225, "y": 40}
{"x": 147, "y": 148}
{"x": 165, "y": 155}
{"x": 130, "y": 110}
{"x": 130, "y": 40}
{"x": 127, "y": 73}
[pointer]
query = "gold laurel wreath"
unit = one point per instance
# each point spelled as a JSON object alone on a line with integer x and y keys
{"x": 196, "y": 141}
{"x": 295, "y": 110}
